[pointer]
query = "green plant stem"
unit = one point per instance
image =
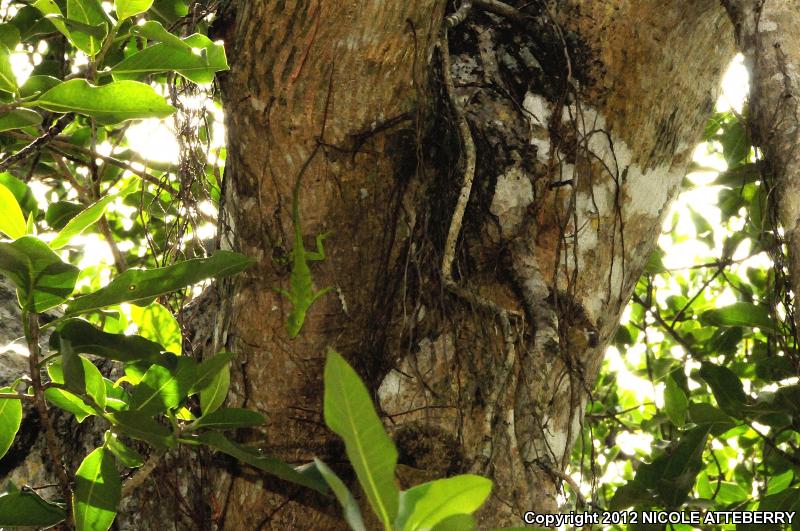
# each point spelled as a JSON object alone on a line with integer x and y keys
{"x": 31, "y": 324}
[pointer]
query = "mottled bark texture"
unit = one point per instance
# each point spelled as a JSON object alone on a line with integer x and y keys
{"x": 767, "y": 34}
{"x": 584, "y": 115}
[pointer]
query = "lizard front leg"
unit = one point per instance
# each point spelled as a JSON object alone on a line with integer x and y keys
{"x": 319, "y": 254}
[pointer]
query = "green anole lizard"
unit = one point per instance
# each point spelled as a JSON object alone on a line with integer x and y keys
{"x": 301, "y": 288}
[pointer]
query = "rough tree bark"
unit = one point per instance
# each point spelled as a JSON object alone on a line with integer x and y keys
{"x": 583, "y": 115}
{"x": 766, "y": 33}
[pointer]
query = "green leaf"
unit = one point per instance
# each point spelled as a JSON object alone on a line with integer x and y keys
{"x": 349, "y": 412}
{"x": 42, "y": 279}
{"x": 12, "y": 222}
{"x": 9, "y": 35}
{"x": 780, "y": 482}
{"x": 88, "y": 381}
{"x": 126, "y": 456}
{"x": 10, "y": 419}
{"x": 19, "y": 118}
{"x": 89, "y": 13}
{"x": 675, "y": 402}
{"x": 727, "y": 388}
{"x": 53, "y": 14}
{"x": 213, "y": 395}
{"x": 88, "y": 217}
{"x": 163, "y": 387}
{"x": 131, "y": 8}
{"x": 25, "y": 508}
{"x": 457, "y": 522}
{"x": 112, "y": 103}
{"x": 85, "y": 338}
{"x": 169, "y": 10}
{"x": 424, "y": 506}
{"x": 229, "y": 418}
{"x": 8, "y": 80}
{"x": 735, "y": 144}
{"x": 59, "y": 213}
{"x": 255, "y": 458}
{"x": 156, "y": 32}
{"x": 69, "y": 402}
{"x": 352, "y": 513}
{"x": 740, "y": 314}
{"x": 66, "y": 400}
{"x": 97, "y": 491}
{"x": 704, "y": 414}
{"x": 208, "y": 369}
{"x": 37, "y": 84}
{"x": 674, "y": 473}
{"x": 198, "y": 61}
{"x": 143, "y": 285}
{"x": 21, "y": 191}
{"x": 157, "y": 324}
{"x": 141, "y": 426}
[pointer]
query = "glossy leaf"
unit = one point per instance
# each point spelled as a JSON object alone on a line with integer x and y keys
{"x": 424, "y": 506}
{"x": 255, "y": 458}
{"x": 350, "y": 414}
{"x": 59, "y": 213}
{"x": 64, "y": 399}
{"x": 10, "y": 419}
{"x": 157, "y": 324}
{"x": 707, "y": 415}
{"x": 458, "y": 522}
{"x": 85, "y": 338}
{"x": 141, "y": 426}
{"x": 229, "y": 418}
{"x": 112, "y": 103}
{"x": 170, "y": 10}
{"x": 126, "y": 456}
{"x": 156, "y": 32}
{"x": 12, "y": 222}
{"x": 726, "y": 386}
{"x": 42, "y": 279}
{"x": 85, "y": 378}
{"x": 19, "y": 118}
{"x": 675, "y": 402}
{"x": 9, "y": 35}
{"x": 143, "y": 285}
{"x": 21, "y": 191}
{"x": 352, "y": 513}
{"x": 89, "y": 13}
{"x": 198, "y": 61}
{"x": 208, "y": 369}
{"x": 97, "y": 491}
{"x": 163, "y": 387}
{"x": 25, "y": 508}
{"x": 8, "y": 82}
{"x": 130, "y": 8}
{"x": 213, "y": 395}
{"x": 88, "y": 217}
{"x": 740, "y": 314}
{"x": 69, "y": 402}
{"x": 37, "y": 84}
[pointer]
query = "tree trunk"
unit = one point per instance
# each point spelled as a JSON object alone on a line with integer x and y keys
{"x": 766, "y": 32}
{"x": 584, "y": 116}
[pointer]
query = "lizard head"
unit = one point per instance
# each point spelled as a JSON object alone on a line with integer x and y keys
{"x": 295, "y": 322}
